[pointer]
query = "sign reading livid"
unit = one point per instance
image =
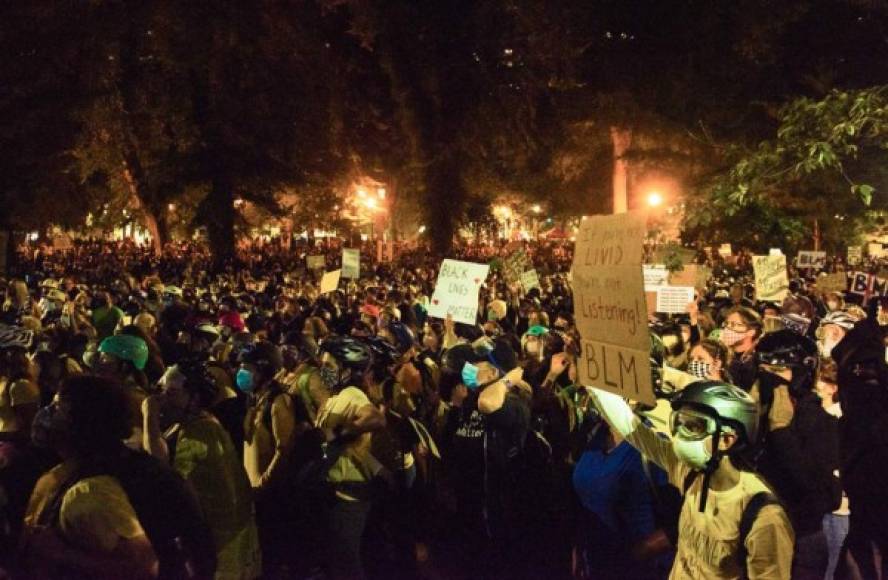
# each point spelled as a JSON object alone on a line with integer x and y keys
{"x": 609, "y": 306}
{"x": 456, "y": 292}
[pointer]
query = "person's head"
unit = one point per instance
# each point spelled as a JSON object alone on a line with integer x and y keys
{"x": 708, "y": 360}
{"x": 787, "y": 358}
{"x": 832, "y": 330}
{"x": 673, "y": 344}
{"x": 121, "y": 355}
{"x": 259, "y": 363}
{"x": 344, "y": 362}
{"x": 492, "y": 360}
{"x": 742, "y": 326}
{"x": 432, "y": 336}
{"x": 186, "y": 390}
{"x": 532, "y": 343}
{"x": 15, "y": 365}
{"x": 89, "y": 415}
{"x": 315, "y": 327}
{"x": 834, "y": 301}
{"x": 563, "y": 322}
{"x": 203, "y": 337}
{"x": 736, "y": 293}
{"x": 711, "y": 419}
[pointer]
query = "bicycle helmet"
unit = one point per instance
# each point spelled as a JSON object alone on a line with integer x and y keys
{"x": 349, "y": 352}
{"x": 126, "y": 347}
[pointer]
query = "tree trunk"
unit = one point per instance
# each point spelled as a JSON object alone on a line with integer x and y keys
{"x": 158, "y": 239}
{"x": 218, "y": 210}
{"x": 621, "y": 139}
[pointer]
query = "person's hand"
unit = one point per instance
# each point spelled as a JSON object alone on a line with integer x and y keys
{"x": 460, "y": 392}
{"x": 693, "y": 310}
{"x": 514, "y": 375}
{"x": 559, "y": 364}
{"x": 448, "y": 323}
{"x": 782, "y": 411}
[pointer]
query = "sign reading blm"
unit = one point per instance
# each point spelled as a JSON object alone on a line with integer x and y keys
{"x": 610, "y": 308}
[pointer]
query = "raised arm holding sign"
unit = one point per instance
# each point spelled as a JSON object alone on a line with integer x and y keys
{"x": 609, "y": 306}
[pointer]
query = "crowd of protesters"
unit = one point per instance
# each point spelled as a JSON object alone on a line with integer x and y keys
{"x": 160, "y": 417}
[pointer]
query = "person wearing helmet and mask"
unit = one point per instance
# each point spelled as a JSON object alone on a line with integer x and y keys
{"x": 348, "y": 418}
{"x": 712, "y": 424}
{"x": 800, "y": 443}
{"x": 179, "y": 429}
{"x": 833, "y": 328}
{"x": 269, "y": 436}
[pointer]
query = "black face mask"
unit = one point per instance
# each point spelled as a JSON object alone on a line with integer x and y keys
{"x": 767, "y": 383}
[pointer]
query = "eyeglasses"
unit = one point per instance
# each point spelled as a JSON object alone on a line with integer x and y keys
{"x": 690, "y": 425}
{"x": 738, "y": 326}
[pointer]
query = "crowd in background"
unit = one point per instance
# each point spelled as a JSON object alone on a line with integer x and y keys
{"x": 159, "y": 416}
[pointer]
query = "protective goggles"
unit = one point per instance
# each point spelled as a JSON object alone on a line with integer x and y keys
{"x": 691, "y": 425}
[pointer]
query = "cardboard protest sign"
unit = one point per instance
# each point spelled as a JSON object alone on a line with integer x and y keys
{"x": 771, "y": 281}
{"x": 692, "y": 275}
{"x": 810, "y": 259}
{"x": 654, "y": 276}
{"x": 315, "y": 262}
{"x": 609, "y": 306}
{"x": 837, "y": 282}
{"x": 456, "y": 292}
{"x": 674, "y": 299}
{"x": 875, "y": 250}
{"x": 351, "y": 263}
{"x": 330, "y": 281}
{"x": 725, "y": 250}
{"x": 515, "y": 265}
{"x": 868, "y": 285}
{"x": 530, "y": 280}
{"x": 855, "y": 255}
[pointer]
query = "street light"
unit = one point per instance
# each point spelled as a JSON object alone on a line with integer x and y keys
{"x": 381, "y": 192}
{"x": 370, "y": 203}
{"x": 655, "y": 199}
{"x": 536, "y": 208}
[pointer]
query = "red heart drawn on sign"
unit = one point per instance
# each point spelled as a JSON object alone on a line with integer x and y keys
{"x": 435, "y": 301}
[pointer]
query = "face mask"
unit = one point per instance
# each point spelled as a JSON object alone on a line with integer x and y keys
{"x": 244, "y": 380}
{"x": 694, "y": 454}
{"x": 470, "y": 375}
{"x": 731, "y": 337}
{"x": 330, "y": 377}
{"x": 699, "y": 369}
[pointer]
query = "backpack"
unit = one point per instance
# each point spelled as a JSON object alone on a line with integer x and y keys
{"x": 167, "y": 510}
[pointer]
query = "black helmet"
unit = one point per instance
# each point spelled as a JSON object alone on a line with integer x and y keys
{"x": 403, "y": 336}
{"x": 349, "y": 352}
{"x": 787, "y": 349}
{"x": 383, "y": 352}
{"x": 264, "y": 355}
{"x": 199, "y": 381}
{"x": 730, "y": 405}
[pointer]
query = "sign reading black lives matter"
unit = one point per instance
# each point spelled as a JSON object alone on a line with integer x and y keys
{"x": 609, "y": 306}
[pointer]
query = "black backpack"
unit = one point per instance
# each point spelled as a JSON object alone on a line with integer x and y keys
{"x": 167, "y": 509}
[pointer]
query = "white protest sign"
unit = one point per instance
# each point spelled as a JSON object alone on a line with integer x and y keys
{"x": 674, "y": 299}
{"x": 725, "y": 250}
{"x": 456, "y": 292}
{"x": 315, "y": 262}
{"x": 655, "y": 276}
{"x": 855, "y": 255}
{"x": 530, "y": 280}
{"x": 330, "y": 281}
{"x": 775, "y": 252}
{"x": 351, "y": 263}
{"x": 609, "y": 306}
{"x": 771, "y": 281}
{"x": 875, "y": 250}
{"x": 810, "y": 259}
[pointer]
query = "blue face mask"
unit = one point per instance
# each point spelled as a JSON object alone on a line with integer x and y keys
{"x": 244, "y": 380}
{"x": 470, "y": 375}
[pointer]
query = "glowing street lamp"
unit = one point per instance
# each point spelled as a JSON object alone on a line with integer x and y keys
{"x": 370, "y": 202}
{"x": 381, "y": 192}
{"x": 536, "y": 208}
{"x": 655, "y": 199}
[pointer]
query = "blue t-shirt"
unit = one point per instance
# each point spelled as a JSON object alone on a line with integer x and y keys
{"x": 614, "y": 487}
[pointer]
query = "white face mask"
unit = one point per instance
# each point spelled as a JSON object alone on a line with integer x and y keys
{"x": 731, "y": 337}
{"x": 700, "y": 369}
{"x": 694, "y": 454}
